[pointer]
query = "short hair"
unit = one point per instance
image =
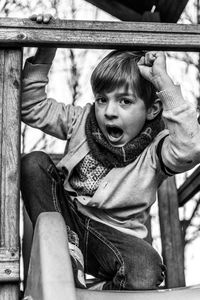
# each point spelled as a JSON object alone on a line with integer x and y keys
{"x": 119, "y": 68}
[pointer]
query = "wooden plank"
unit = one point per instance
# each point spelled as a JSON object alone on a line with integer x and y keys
{"x": 189, "y": 188}
{"x": 91, "y": 34}
{"x": 10, "y": 76}
{"x": 171, "y": 237}
{"x": 9, "y": 292}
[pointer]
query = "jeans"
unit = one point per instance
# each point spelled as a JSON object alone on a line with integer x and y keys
{"x": 122, "y": 261}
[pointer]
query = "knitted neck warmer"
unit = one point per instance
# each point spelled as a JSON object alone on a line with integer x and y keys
{"x": 111, "y": 156}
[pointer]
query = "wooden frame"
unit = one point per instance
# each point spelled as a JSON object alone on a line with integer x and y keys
{"x": 93, "y": 34}
{"x": 10, "y": 77}
{"x": 171, "y": 235}
{"x": 20, "y": 33}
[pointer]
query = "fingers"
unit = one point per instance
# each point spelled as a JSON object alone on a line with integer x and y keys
{"x": 149, "y": 58}
{"x": 41, "y": 18}
{"x": 141, "y": 61}
{"x": 47, "y": 18}
{"x": 153, "y": 65}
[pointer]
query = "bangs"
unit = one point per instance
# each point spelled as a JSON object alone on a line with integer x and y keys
{"x": 119, "y": 68}
{"x": 115, "y": 73}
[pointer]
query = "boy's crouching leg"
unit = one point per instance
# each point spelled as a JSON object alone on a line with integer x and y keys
{"x": 39, "y": 184}
{"x": 144, "y": 271}
{"x": 42, "y": 191}
{"x": 122, "y": 261}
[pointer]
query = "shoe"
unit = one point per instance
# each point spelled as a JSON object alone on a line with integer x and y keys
{"x": 77, "y": 266}
{"x": 98, "y": 286}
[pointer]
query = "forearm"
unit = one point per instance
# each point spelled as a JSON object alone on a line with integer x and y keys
{"x": 163, "y": 82}
{"x": 39, "y": 111}
{"x": 35, "y": 75}
{"x": 181, "y": 148}
{"x": 44, "y": 56}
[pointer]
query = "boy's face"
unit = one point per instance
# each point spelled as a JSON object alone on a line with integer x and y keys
{"x": 120, "y": 114}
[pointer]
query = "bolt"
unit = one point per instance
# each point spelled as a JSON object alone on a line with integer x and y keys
{"x": 21, "y": 36}
{"x": 8, "y": 271}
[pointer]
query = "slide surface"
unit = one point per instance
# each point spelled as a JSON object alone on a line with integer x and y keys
{"x": 50, "y": 274}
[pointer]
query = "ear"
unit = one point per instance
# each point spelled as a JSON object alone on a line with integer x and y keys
{"x": 154, "y": 110}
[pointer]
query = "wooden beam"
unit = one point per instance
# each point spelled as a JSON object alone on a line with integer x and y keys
{"x": 107, "y": 35}
{"x": 10, "y": 76}
{"x": 9, "y": 292}
{"x": 189, "y": 188}
{"x": 171, "y": 237}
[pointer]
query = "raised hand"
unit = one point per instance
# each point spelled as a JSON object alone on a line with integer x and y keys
{"x": 43, "y": 55}
{"x": 152, "y": 67}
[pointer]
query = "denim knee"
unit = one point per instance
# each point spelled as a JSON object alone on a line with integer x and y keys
{"x": 123, "y": 261}
{"x": 38, "y": 187}
{"x": 148, "y": 274}
{"x": 31, "y": 161}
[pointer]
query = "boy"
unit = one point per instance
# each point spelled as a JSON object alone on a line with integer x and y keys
{"x": 117, "y": 155}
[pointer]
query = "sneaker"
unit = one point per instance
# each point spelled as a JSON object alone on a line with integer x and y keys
{"x": 77, "y": 266}
{"x": 98, "y": 286}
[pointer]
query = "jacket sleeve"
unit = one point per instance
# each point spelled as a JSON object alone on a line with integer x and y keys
{"x": 180, "y": 149}
{"x": 38, "y": 111}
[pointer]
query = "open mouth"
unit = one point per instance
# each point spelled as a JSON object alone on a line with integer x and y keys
{"x": 114, "y": 132}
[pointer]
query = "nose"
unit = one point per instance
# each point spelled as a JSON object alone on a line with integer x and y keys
{"x": 111, "y": 110}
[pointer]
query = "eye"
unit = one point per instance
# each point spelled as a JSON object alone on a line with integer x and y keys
{"x": 101, "y": 100}
{"x": 125, "y": 101}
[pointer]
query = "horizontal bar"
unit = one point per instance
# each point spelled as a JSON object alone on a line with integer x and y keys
{"x": 99, "y": 35}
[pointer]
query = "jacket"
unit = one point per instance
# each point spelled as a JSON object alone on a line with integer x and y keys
{"x": 125, "y": 195}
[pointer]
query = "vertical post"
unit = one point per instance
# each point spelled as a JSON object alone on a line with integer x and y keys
{"x": 198, "y": 22}
{"x": 171, "y": 236}
{"x": 10, "y": 78}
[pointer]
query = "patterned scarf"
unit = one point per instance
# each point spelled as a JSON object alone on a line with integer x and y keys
{"x": 111, "y": 156}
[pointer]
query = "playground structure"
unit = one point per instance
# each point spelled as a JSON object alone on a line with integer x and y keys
{"x": 54, "y": 281}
